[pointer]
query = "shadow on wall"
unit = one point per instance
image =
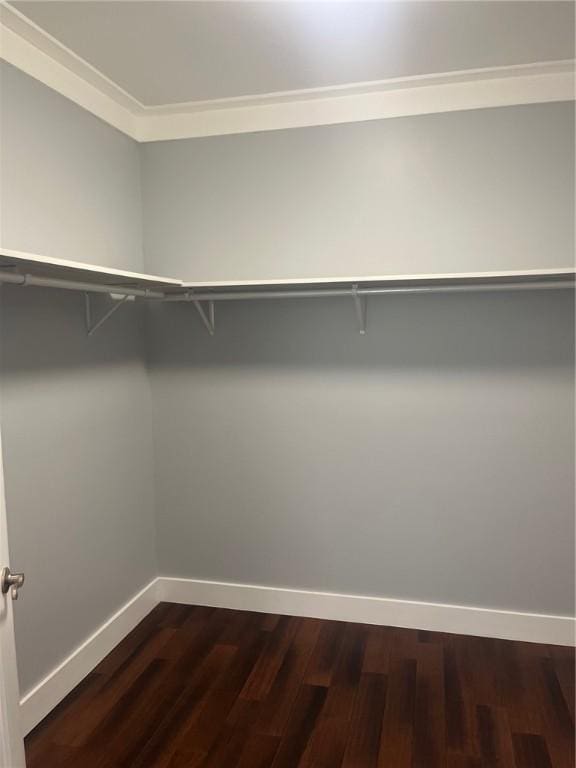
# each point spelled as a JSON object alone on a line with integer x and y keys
{"x": 435, "y": 331}
{"x": 45, "y": 329}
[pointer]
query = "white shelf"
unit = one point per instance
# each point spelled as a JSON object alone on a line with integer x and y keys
{"x": 460, "y": 278}
{"x": 26, "y": 269}
{"x": 48, "y": 269}
{"x": 61, "y": 269}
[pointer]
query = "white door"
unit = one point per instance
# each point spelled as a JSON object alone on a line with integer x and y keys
{"x": 11, "y": 742}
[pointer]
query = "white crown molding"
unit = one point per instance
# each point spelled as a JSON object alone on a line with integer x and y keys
{"x": 27, "y": 47}
{"x": 401, "y": 97}
{"x": 367, "y": 87}
{"x": 34, "y": 62}
{"x": 25, "y": 28}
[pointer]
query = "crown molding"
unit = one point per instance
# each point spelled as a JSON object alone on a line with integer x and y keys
{"x": 27, "y": 57}
{"x": 27, "y": 47}
{"x": 401, "y": 97}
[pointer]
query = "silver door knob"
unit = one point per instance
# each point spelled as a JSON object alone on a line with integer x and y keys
{"x": 10, "y": 581}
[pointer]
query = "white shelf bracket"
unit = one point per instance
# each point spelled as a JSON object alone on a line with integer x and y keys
{"x": 360, "y": 305}
{"x": 207, "y": 319}
{"x": 93, "y": 325}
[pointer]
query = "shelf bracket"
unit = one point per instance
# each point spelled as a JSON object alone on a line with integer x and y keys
{"x": 207, "y": 319}
{"x": 360, "y": 305}
{"x": 93, "y": 325}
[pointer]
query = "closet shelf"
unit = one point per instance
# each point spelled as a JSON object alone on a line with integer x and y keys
{"x": 360, "y": 288}
{"x": 346, "y": 286}
{"x": 28, "y": 269}
{"x": 22, "y": 268}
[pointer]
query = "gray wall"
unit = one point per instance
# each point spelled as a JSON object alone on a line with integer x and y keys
{"x": 75, "y": 412}
{"x": 431, "y": 459}
{"x": 78, "y": 462}
{"x": 70, "y": 184}
{"x": 479, "y": 190}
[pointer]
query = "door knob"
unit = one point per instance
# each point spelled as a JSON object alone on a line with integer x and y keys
{"x": 11, "y": 581}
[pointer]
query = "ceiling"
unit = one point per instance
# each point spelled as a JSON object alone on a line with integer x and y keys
{"x": 164, "y": 53}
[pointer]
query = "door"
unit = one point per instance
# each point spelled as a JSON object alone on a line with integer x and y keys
{"x": 11, "y": 742}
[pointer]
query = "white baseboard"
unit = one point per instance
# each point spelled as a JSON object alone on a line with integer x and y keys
{"x": 483, "y": 622}
{"x": 38, "y": 702}
{"x": 464, "y": 620}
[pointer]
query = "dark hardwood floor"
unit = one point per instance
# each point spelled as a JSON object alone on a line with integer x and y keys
{"x": 195, "y": 687}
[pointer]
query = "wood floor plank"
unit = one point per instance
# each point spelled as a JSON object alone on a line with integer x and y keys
{"x": 457, "y": 760}
{"x": 212, "y": 717}
{"x": 557, "y": 719}
{"x": 278, "y": 704}
{"x": 53, "y": 728}
{"x": 226, "y": 750}
{"x": 179, "y": 711}
{"x": 347, "y": 673}
{"x": 186, "y": 760}
{"x": 531, "y": 751}
{"x": 259, "y": 751}
{"x": 396, "y": 742}
{"x": 325, "y": 656}
{"x": 202, "y": 687}
{"x": 76, "y": 730}
{"x": 238, "y": 623}
{"x": 57, "y": 756}
{"x": 429, "y": 748}
{"x": 262, "y": 677}
{"x": 494, "y": 737}
{"x": 177, "y": 615}
{"x": 136, "y": 639}
{"x": 366, "y": 725}
{"x": 300, "y": 726}
{"x": 327, "y": 744}
{"x": 456, "y": 720}
{"x": 377, "y": 651}
{"x": 564, "y": 669}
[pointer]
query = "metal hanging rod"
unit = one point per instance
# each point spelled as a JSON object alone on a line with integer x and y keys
{"x": 121, "y": 294}
{"x": 358, "y": 293}
{"x": 319, "y": 293}
{"x": 296, "y": 293}
{"x": 73, "y": 285}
